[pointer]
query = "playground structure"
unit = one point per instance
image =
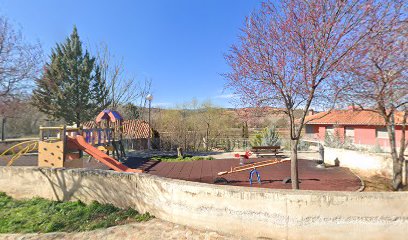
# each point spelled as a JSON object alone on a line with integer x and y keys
{"x": 64, "y": 146}
{"x": 19, "y": 150}
{"x": 113, "y": 139}
{"x": 243, "y": 156}
{"x": 253, "y": 168}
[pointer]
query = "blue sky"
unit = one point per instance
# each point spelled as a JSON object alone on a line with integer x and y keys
{"x": 178, "y": 43}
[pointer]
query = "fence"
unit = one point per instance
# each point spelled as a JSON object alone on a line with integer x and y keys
{"x": 230, "y": 144}
{"x": 135, "y": 144}
{"x": 197, "y": 142}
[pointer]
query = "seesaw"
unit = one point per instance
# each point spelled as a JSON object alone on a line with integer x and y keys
{"x": 253, "y": 167}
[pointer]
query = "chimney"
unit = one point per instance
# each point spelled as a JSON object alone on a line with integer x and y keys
{"x": 311, "y": 112}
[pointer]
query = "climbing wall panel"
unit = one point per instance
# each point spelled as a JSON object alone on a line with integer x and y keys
{"x": 51, "y": 154}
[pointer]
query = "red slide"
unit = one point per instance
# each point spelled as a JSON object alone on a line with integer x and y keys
{"x": 112, "y": 163}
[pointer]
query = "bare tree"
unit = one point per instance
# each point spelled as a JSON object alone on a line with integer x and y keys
{"x": 19, "y": 65}
{"x": 123, "y": 88}
{"x": 379, "y": 69}
{"x": 19, "y": 61}
{"x": 289, "y": 56}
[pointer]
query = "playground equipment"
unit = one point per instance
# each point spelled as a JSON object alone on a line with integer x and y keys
{"x": 243, "y": 156}
{"x": 63, "y": 147}
{"x": 253, "y": 168}
{"x": 19, "y": 150}
{"x": 108, "y": 119}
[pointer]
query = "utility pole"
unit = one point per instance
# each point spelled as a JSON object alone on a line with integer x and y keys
{"x": 149, "y": 98}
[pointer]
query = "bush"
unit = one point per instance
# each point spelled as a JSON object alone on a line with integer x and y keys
{"x": 266, "y": 137}
{"x": 376, "y": 148}
{"x": 332, "y": 140}
{"x": 303, "y": 146}
{"x": 335, "y": 141}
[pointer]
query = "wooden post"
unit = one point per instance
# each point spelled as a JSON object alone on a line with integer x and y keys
{"x": 41, "y": 133}
{"x": 3, "y": 127}
{"x": 63, "y": 138}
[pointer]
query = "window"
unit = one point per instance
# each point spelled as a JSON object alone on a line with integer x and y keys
{"x": 382, "y": 132}
{"x": 349, "y": 131}
{"x": 349, "y": 134}
{"x": 310, "y": 129}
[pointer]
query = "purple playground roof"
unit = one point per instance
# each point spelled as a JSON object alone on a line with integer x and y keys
{"x": 110, "y": 115}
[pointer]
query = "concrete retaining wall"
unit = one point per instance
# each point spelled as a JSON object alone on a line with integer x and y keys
{"x": 251, "y": 212}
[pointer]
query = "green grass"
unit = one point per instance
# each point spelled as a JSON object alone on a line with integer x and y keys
{"x": 41, "y": 215}
{"x": 177, "y": 159}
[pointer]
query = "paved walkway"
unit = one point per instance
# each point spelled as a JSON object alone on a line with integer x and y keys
{"x": 151, "y": 230}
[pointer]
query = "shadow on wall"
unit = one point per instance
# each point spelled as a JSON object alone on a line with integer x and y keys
{"x": 120, "y": 189}
{"x": 58, "y": 182}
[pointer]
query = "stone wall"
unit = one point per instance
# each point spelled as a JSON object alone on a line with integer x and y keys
{"x": 251, "y": 212}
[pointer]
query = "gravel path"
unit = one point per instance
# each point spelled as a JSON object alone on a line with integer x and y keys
{"x": 154, "y": 229}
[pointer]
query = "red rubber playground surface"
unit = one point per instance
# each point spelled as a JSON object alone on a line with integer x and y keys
{"x": 311, "y": 177}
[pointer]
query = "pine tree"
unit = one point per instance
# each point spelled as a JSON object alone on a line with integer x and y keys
{"x": 71, "y": 87}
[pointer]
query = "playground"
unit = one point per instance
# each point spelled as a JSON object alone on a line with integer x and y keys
{"x": 101, "y": 147}
{"x": 92, "y": 164}
{"x": 272, "y": 176}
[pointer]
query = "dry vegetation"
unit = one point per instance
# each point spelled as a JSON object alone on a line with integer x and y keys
{"x": 378, "y": 183}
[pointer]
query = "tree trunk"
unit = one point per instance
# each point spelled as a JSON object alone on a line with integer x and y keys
{"x": 78, "y": 119}
{"x": 179, "y": 152}
{"x": 396, "y": 163}
{"x": 294, "y": 164}
{"x": 207, "y": 134}
{"x": 402, "y": 148}
{"x": 397, "y": 172}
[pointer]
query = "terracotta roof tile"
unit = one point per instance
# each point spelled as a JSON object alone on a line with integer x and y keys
{"x": 351, "y": 117}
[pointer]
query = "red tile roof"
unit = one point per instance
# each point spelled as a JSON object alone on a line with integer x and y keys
{"x": 351, "y": 117}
